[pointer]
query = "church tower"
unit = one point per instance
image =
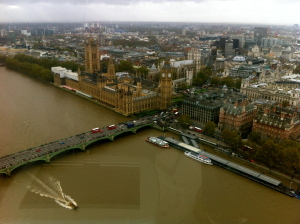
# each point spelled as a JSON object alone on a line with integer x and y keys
{"x": 92, "y": 56}
{"x": 166, "y": 85}
{"x": 195, "y": 55}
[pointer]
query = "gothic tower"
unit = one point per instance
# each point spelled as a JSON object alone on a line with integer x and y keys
{"x": 92, "y": 56}
{"x": 166, "y": 85}
{"x": 111, "y": 74}
{"x": 195, "y": 55}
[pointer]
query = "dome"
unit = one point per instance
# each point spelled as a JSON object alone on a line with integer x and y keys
{"x": 239, "y": 58}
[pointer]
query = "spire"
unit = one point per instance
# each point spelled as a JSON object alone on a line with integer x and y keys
{"x": 167, "y": 65}
{"x": 153, "y": 68}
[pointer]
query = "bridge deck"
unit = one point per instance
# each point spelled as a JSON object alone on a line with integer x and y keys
{"x": 48, "y": 150}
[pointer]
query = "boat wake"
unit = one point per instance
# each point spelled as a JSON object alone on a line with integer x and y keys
{"x": 51, "y": 188}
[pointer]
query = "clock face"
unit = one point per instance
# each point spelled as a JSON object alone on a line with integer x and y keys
{"x": 163, "y": 75}
{"x": 169, "y": 75}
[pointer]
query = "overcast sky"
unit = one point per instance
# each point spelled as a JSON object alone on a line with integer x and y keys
{"x": 279, "y": 12}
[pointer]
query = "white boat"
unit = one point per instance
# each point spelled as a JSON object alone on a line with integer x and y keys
{"x": 199, "y": 157}
{"x": 67, "y": 203}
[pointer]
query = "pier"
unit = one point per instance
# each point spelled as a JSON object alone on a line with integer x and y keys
{"x": 49, "y": 150}
{"x": 234, "y": 167}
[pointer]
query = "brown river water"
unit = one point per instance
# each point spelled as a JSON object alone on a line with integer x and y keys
{"x": 124, "y": 181}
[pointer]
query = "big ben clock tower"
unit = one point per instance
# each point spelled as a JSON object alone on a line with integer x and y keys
{"x": 166, "y": 85}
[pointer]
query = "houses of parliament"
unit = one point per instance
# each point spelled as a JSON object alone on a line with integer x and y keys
{"x": 124, "y": 95}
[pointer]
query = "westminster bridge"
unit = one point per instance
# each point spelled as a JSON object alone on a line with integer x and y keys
{"x": 47, "y": 151}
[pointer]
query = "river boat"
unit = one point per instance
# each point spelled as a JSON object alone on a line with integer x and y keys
{"x": 158, "y": 142}
{"x": 199, "y": 157}
{"x": 67, "y": 203}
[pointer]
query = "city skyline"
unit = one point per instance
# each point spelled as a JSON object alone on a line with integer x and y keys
{"x": 277, "y": 12}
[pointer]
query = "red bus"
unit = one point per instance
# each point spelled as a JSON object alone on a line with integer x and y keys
{"x": 198, "y": 129}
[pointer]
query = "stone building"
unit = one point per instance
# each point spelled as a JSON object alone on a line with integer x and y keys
{"x": 205, "y": 107}
{"x": 202, "y": 111}
{"x": 276, "y": 122}
{"x": 186, "y": 70}
{"x": 273, "y": 86}
{"x": 237, "y": 117}
{"x": 125, "y": 95}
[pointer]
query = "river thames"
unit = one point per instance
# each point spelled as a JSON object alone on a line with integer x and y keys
{"x": 124, "y": 181}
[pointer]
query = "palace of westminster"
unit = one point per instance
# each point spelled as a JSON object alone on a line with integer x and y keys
{"x": 125, "y": 95}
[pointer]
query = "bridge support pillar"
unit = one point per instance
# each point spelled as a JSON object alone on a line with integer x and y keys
{"x": 83, "y": 147}
{"x": 7, "y": 173}
{"x": 47, "y": 158}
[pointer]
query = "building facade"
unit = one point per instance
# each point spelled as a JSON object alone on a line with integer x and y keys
{"x": 273, "y": 86}
{"x": 276, "y": 122}
{"x": 206, "y": 106}
{"x": 237, "y": 117}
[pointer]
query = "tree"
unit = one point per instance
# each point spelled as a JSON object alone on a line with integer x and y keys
{"x": 2, "y": 58}
{"x": 290, "y": 160}
{"x": 216, "y": 81}
{"x": 229, "y": 82}
{"x": 226, "y": 135}
{"x": 125, "y": 66}
{"x": 197, "y": 81}
{"x": 142, "y": 71}
{"x": 290, "y": 143}
{"x": 209, "y": 128}
{"x": 255, "y": 137}
{"x": 202, "y": 76}
{"x": 268, "y": 153}
{"x": 238, "y": 83}
{"x": 184, "y": 120}
{"x": 232, "y": 138}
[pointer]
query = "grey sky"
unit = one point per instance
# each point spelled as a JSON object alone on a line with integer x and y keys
{"x": 238, "y": 11}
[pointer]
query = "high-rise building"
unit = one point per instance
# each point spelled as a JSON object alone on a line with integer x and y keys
{"x": 228, "y": 48}
{"x": 241, "y": 39}
{"x": 269, "y": 42}
{"x": 259, "y": 33}
{"x": 102, "y": 41}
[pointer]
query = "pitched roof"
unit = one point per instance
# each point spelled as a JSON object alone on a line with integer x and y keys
{"x": 231, "y": 109}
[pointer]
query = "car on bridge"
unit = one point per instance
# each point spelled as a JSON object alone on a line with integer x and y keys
{"x": 95, "y": 130}
{"x": 38, "y": 150}
{"x": 111, "y": 127}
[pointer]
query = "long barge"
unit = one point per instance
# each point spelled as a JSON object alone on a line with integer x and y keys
{"x": 234, "y": 167}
